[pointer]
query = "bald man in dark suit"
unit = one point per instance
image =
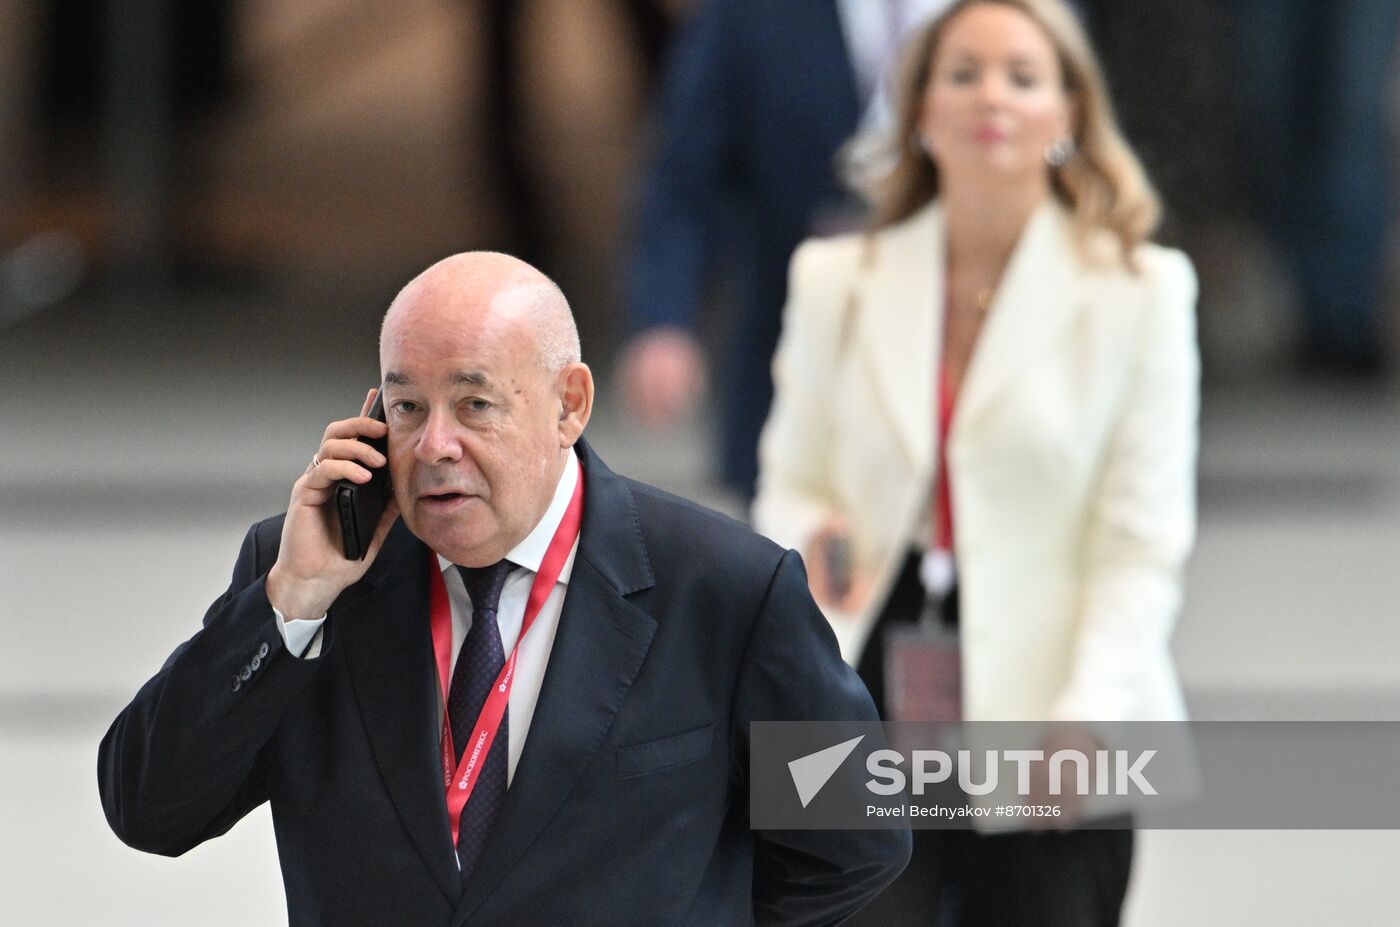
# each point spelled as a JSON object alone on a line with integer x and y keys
{"x": 615, "y": 789}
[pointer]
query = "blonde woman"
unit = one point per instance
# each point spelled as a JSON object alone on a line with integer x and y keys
{"x": 986, "y": 406}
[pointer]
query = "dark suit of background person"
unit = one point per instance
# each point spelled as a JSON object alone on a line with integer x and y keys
{"x": 1315, "y": 79}
{"x": 629, "y": 802}
{"x": 756, "y": 100}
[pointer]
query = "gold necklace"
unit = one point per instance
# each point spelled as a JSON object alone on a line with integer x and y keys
{"x": 981, "y": 302}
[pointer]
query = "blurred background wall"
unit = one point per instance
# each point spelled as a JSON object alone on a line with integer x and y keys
{"x": 281, "y": 145}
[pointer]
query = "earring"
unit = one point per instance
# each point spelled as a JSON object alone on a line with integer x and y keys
{"x": 920, "y": 145}
{"x": 1060, "y": 151}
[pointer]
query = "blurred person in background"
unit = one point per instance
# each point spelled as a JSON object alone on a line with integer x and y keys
{"x": 985, "y": 422}
{"x": 128, "y": 92}
{"x": 756, "y": 101}
{"x": 506, "y": 112}
{"x": 1315, "y": 78}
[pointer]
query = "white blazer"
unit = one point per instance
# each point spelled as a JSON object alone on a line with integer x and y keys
{"x": 1072, "y": 447}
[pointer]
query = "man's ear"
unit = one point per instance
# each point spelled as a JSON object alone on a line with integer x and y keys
{"x": 575, "y": 388}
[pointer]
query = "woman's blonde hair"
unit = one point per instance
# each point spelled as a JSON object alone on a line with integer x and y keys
{"x": 1102, "y": 182}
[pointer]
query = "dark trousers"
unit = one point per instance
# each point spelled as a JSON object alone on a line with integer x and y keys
{"x": 960, "y": 878}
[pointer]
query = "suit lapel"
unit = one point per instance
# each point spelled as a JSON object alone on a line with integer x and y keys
{"x": 599, "y": 647}
{"x": 383, "y": 623}
{"x": 898, "y": 325}
{"x": 1038, "y": 295}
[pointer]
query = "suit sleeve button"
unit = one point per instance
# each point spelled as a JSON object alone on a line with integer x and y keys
{"x": 246, "y": 674}
{"x": 237, "y": 682}
{"x": 262, "y": 649}
{"x": 255, "y": 664}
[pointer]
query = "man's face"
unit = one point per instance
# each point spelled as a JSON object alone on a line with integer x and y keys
{"x": 475, "y": 448}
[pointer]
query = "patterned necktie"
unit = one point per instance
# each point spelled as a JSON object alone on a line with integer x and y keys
{"x": 478, "y": 665}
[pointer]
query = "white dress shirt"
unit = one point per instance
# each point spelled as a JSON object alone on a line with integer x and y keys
{"x": 510, "y": 614}
{"x": 876, "y": 31}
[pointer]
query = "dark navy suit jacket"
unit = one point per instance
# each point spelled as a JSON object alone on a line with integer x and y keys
{"x": 756, "y": 100}
{"x": 629, "y": 803}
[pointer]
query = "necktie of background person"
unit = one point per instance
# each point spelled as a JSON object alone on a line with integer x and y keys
{"x": 477, "y": 667}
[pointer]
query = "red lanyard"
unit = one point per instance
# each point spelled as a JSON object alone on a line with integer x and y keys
{"x": 943, "y": 405}
{"x": 461, "y": 781}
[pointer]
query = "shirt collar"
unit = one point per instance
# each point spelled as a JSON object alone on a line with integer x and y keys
{"x": 530, "y": 552}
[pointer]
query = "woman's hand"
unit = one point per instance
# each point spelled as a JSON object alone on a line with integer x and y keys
{"x": 1076, "y": 739}
{"x": 836, "y": 580}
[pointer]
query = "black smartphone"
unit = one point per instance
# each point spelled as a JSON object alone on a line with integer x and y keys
{"x": 360, "y": 505}
{"x": 837, "y": 554}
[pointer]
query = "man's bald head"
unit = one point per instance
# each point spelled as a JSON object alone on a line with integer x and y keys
{"x": 484, "y": 394}
{"x": 491, "y": 289}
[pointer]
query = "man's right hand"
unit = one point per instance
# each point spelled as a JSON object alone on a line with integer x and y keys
{"x": 311, "y": 569}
